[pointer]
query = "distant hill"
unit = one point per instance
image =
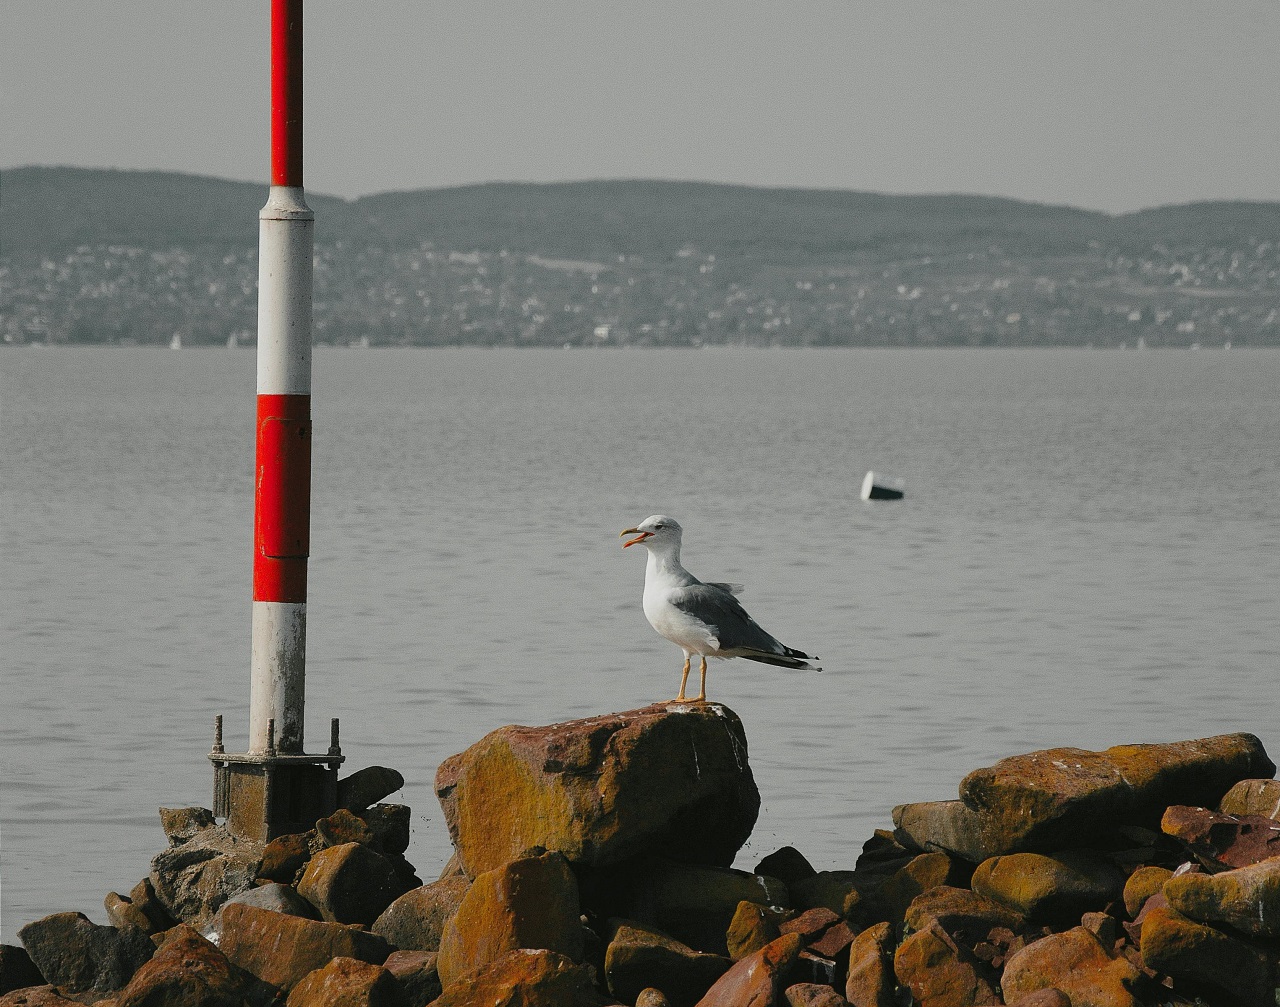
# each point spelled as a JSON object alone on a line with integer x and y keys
{"x": 50, "y": 210}
{"x": 698, "y": 260}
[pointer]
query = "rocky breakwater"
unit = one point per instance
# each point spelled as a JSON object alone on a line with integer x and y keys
{"x": 592, "y": 867}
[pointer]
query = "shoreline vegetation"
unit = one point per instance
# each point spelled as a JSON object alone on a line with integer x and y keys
{"x": 161, "y": 258}
{"x": 591, "y": 868}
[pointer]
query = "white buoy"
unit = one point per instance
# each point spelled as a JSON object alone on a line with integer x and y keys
{"x": 880, "y": 487}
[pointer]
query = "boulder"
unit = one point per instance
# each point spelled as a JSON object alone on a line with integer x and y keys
{"x": 652, "y": 998}
{"x": 415, "y": 921}
{"x": 1075, "y": 963}
{"x": 941, "y": 973}
{"x": 181, "y": 824}
{"x": 349, "y": 884}
{"x": 882, "y": 854}
{"x": 964, "y": 914}
{"x": 751, "y": 928}
{"x": 871, "y": 981}
{"x": 80, "y": 957}
{"x": 278, "y": 898}
{"x": 695, "y": 904}
{"x": 834, "y": 890}
{"x": 1183, "y": 949}
{"x": 639, "y": 957}
{"x": 833, "y": 941}
{"x": 666, "y": 779}
{"x": 525, "y": 978}
{"x": 1056, "y": 888}
{"x": 757, "y": 979}
{"x": 1142, "y": 884}
{"x": 280, "y": 949}
{"x": 1054, "y": 799}
{"x": 1042, "y": 998}
{"x": 193, "y": 878}
{"x": 17, "y": 970}
{"x": 284, "y": 856}
{"x": 123, "y": 915}
{"x": 919, "y": 875}
{"x": 529, "y": 903}
{"x": 187, "y": 971}
{"x": 1246, "y": 899}
{"x": 36, "y": 996}
{"x": 814, "y": 995}
{"x": 1229, "y": 840}
{"x": 415, "y": 971}
{"x": 367, "y": 786}
{"x": 809, "y": 924}
{"x": 346, "y": 982}
{"x": 389, "y": 824}
{"x": 788, "y": 865}
{"x": 343, "y": 827}
{"x": 943, "y": 827}
{"x": 1252, "y": 797}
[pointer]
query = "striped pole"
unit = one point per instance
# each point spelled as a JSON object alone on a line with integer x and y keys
{"x": 282, "y": 495}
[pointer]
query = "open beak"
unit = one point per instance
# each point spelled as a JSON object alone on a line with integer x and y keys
{"x": 640, "y": 536}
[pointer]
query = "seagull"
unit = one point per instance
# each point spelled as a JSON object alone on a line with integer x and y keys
{"x": 703, "y": 619}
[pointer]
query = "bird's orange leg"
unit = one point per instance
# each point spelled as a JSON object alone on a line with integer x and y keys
{"x": 702, "y": 687}
{"x": 684, "y": 678}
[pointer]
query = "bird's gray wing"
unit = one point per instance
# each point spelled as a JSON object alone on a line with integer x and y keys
{"x": 730, "y": 588}
{"x": 719, "y": 609}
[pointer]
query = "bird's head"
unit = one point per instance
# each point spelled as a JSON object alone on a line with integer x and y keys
{"x": 657, "y": 532}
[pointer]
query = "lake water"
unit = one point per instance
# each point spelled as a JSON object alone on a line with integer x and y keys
{"x": 1087, "y": 555}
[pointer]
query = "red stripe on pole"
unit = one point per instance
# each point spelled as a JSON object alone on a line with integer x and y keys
{"x": 286, "y": 92}
{"x": 282, "y": 498}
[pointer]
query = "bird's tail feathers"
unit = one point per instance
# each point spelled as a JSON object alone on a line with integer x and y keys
{"x": 788, "y": 659}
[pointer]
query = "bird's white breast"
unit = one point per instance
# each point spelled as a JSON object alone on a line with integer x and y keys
{"x": 676, "y": 625}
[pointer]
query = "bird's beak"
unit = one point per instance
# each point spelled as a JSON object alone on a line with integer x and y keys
{"x": 641, "y": 536}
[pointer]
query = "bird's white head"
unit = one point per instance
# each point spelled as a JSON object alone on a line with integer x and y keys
{"x": 657, "y": 533}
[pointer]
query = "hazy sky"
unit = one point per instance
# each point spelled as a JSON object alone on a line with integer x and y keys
{"x": 1112, "y": 105}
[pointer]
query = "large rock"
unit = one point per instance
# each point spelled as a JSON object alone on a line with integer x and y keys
{"x": 919, "y": 875}
{"x": 943, "y": 827}
{"x": 1053, "y": 888}
{"x": 349, "y": 884}
{"x": 1246, "y": 899}
{"x": 284, "y": 857}
{"x": 814, "y": 995}
{"x": 346, "y": 982}
{"x": 367, "y": 786}
{"x": 696, "y": 904}
{"x": 941, "y": 973}
{"x": 416, "y": 973}
{"x": 415, "y": 921}
{"x": 1142, "y": 884}
{"x": 871, "y": 981}
{"x": 667, "y": 779}
{"x": 1229, "y": 840}
{"x": 525, "y": 978}
{"x": 963, "y": 913}
{"x": 1184, "y": 949}
{"x": 17, "y": 970}
{"x": 1054, "y": 799}
{"x": 193, "y": 878}
{"x": 757, "y": 979}
{"x": 751, "y": 928}
{"x": 1075, "y": 963}
{"x": 36, "y": 996}
{"x": 1252, "y": 797}
{"x": 80, "y": 957}
{"x": 187, "y": 971}
{"x": 280, "y": 949}
{"x": 639, "y": 957}
{"x": 528, "y": 903}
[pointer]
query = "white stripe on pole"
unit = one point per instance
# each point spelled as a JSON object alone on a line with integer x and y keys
{"x": 278, "y": 675}
{"x": 285, "y": 246}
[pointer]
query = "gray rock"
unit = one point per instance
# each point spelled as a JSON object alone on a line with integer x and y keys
{"x": 276, "y": 897}
{"x": 80, "y": 957}
{"x": 390, "y": 825}
{"x": 415, "y": 971}
{"x": 1252, "y": 797}
{"x": 367, "y": 787}
{"x": 180, "y": 824}
{"x": 194, "y": 879}
{"x": 415, "y": 921}
{"x": 349, "y": 884}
